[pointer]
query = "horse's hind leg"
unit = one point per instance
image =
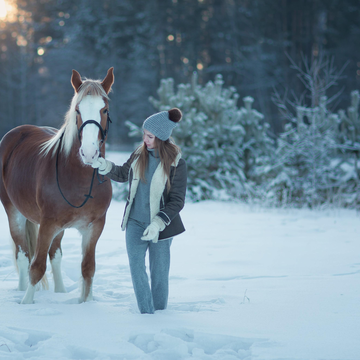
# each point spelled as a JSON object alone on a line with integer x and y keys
{"x": 55, "y": 254}
{"x": 47, "y": 232}
{"x": 20, "y": 232}
{"x": 90, "y": 237}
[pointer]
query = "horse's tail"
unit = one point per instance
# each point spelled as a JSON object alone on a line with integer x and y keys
{"x": 31, "y": 232}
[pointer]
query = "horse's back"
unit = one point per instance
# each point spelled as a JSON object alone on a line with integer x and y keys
{"x": 20, "y": 152}
{"x": 20, "y": 148}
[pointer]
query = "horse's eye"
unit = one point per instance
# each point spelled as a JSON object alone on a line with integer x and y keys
{"x": 77, "y": 111}
{"x": 105, "y": 111}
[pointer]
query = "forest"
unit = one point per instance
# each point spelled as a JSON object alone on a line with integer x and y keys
{"x": 269, "y": 89}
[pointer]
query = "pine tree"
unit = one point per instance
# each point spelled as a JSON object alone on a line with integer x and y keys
{"x": 310, "y": 168}
{"x": 349, "y": 137}
{"x": 309, "y": 172}
{"x": 225, "y": 147}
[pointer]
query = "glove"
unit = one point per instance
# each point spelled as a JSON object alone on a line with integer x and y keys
{"x": 103, "y": 165}
{"x": 152, "y": 231}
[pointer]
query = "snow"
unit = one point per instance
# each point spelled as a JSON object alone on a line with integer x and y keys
{"x": 245, "y": 283}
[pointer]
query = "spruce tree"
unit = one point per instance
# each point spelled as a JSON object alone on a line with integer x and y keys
{"x": 309, "y": 172}
{"x": 309, "y": 168}
{"x": 349, "y": 137}
{"x": 225, "y": 147}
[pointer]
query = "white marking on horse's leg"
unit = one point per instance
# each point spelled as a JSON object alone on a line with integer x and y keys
{"x": 56, "y": 269}
{"x": 23, "y": 267}
{"x": 86, "y": 237}
{"x": 17, "y": 228}
{"x": 29, "y": 295}
{"x": 83, "y": 292}
{"x": 20, "y": 221}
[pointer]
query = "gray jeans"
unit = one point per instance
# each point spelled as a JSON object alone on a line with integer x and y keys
{"x": 156, "y": 298}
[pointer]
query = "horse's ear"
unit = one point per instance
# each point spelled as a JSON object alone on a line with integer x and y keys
{"x": 76, "y": 81}
{"x": 109, "y": 80}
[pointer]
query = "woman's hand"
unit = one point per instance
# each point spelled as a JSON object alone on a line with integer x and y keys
{"x": 153, "y": 230}
{"x": 103, "y": 165}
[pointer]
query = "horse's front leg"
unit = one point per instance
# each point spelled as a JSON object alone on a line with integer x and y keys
{"x": 55, "y": 255}
{"x": 90, "y": 237}
{"x": 47, "y": 232}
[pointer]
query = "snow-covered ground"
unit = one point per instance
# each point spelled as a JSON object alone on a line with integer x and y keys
{"x": 245, "y": 283}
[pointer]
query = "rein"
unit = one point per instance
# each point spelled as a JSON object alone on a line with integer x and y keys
{"x": 103, "y": 137}
{"x": 88, "y": 196}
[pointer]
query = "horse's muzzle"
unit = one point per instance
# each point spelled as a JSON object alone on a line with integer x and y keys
{"x": 89, "y": 150}
{"x": 89, "y": 156}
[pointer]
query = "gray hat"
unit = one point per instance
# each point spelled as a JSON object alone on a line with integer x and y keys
{"x": 162, "y": 124}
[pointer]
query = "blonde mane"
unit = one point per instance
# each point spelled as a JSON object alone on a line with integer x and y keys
{"x": 69, "y": 128}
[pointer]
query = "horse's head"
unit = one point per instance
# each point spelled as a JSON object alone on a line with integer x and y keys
{"x": 92, "y": 114}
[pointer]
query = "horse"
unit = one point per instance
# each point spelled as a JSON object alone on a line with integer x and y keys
{"x": 45, "y": 174}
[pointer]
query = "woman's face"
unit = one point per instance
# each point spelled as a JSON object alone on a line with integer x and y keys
{"x": 149, "y": 139}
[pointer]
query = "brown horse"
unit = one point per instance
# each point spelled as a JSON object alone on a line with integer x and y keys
{"x": 45, "y": 174}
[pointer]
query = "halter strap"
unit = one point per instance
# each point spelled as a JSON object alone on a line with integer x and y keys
{"x": 102, "y": 131}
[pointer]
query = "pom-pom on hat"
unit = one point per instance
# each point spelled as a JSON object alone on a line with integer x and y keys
{"x": 162, "y": 124}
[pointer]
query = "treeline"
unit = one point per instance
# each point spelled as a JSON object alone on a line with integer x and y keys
{"x": 230, "y": 153}
{"x": 251, "y": 43}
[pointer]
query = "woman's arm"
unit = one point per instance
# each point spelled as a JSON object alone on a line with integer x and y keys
{"x": 175, "y": 199}
{"x": 121, "y": 173}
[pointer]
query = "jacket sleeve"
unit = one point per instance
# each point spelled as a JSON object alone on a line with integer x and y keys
{"x": 121, "y": 173}
{"x": 175, "y": 199}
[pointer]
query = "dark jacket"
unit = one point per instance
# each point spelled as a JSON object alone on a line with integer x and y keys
{"x": 163, "y": 203}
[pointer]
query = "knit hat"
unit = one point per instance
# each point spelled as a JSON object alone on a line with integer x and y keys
{"x": 162, "y": 124}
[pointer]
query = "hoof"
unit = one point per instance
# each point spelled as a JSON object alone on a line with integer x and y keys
{"x": 29, "y": 295}
{"x": 82, "y": 300}
{"x": 60, "y": 289}
{"x": 26, "y": 301}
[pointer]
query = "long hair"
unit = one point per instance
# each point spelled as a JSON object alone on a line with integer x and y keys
{"x": 167, "y": 150}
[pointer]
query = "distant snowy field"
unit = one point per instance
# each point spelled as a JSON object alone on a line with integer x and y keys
{"x": 245, "y": 283}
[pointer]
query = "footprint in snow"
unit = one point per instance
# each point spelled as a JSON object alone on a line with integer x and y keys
{"x": 187, "y": 344}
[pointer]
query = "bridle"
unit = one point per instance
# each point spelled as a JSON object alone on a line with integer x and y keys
{"x": 103, "y": 138}
{"x": 102, "y": 131}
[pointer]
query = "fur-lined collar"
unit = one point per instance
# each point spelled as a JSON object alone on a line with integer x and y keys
{"x": 157, "y": 187}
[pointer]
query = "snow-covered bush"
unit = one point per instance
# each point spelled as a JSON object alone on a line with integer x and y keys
{"x": 313, "y": 151}
{"x": 315, "y": 160}
{"x": 120, "y": 191}
{"x": 349, "y": 138}
{"x": 350, "y": 124}
{"x": 225, "y": 147}
{"x": 307, "y": 173}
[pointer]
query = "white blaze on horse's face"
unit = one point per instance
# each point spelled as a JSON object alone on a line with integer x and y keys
{"x": 89, "y": 108}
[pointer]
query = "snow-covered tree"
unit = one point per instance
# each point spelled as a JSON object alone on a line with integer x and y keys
{"x": 350, "y": 124}
{"x": 309, "y": 170}
{"x": 349, "y": 137}
{"x": 225, "y": 147}
{"x": 310, "y": 166}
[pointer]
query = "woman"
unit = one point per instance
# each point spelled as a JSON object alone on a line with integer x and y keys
{"x": 157, "y": 185}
